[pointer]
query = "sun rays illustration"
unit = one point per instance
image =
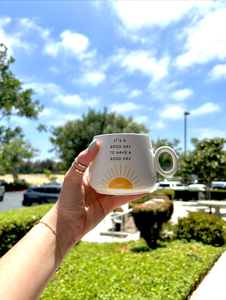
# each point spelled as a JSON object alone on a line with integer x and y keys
{"x": 121, "y": 178}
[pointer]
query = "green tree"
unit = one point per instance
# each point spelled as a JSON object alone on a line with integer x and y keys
{"x": 12, "y": 153}
{"x": 14, "y": 100}
{"x": 72, "y": 138}
{"x": 207, "y": 160}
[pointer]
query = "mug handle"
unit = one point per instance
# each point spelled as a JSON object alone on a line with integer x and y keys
{"x": 174, "y": 157}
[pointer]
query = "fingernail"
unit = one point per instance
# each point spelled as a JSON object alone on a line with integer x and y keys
{"x": 92, "y": 144}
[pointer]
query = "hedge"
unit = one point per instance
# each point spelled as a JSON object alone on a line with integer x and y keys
{"x": 194, "y": 195}
{"x": 131, "y": 271}
{"x": 162, "y": 194}
{"x": 14, "y": 224}
{"x": 17, "y": 186}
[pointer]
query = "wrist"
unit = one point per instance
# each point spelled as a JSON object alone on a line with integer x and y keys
{"x": 62, "y": 229}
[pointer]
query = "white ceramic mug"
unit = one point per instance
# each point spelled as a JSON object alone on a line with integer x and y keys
{"x": 126, "y": 164}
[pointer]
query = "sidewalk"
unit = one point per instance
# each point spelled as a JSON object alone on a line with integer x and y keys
{"x": 213, "y": 287}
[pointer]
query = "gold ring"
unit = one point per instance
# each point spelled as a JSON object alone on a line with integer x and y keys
{"x": 73, "y": 167}
{"x": 82, "y": 166}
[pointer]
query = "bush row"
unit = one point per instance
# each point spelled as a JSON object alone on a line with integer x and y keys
{"x": 14, "y": 224}
{"x": 16, "y": 186}
{"x": 192, "y": 195}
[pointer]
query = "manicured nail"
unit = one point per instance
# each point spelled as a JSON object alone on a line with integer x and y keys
{"x": 92, "y": 144}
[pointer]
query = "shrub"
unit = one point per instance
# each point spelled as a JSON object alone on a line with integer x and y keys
{"x": 14, "y": 224}
{"x": 149, "y": 196}
{"x": 202, "y": 228}
{"x": 168, "y": 192}
{"x": 17, "y": 186}
{"x": 149, "y": 218}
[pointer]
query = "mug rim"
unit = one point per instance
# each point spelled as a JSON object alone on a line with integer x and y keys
{"x": 123, "y": 133}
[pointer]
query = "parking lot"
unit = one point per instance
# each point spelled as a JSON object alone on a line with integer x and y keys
{"x": 12, "y": 200}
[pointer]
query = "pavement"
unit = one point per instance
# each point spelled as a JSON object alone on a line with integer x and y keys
{"x": 212, "y": 287}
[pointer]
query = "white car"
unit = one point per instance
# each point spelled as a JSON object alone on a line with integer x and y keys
{"x": 197, "y": 187}
{"x": 173, "y": 185}
{"x": 219, "y": 185}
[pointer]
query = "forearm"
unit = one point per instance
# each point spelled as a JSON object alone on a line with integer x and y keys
{"x": 28, "y": 267}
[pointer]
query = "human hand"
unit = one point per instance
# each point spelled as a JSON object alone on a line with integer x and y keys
{"x": 80, "y": 206}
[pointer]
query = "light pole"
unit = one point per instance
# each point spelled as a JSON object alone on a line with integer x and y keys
{"x": 185, "y": 137}
{"x": 185, "y": 130}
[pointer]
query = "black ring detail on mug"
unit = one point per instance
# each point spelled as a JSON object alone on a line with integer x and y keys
{"x": 82, "y": 166}
{"x": 73, "y": 167}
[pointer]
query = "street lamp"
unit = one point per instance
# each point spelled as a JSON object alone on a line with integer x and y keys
{"x": 185, "y": 130}
{"x": 185, "y": 136}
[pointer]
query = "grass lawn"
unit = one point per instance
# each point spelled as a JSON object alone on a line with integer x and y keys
{"x": 131, "y": 271}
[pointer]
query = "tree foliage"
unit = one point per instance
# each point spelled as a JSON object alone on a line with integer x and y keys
{"x": 72, "y": 138}
{"x": 207, "y": 160}
{"x": 38, "y": 166}
{"x": 13, "y": 153}
{"x": 14, "y": 100}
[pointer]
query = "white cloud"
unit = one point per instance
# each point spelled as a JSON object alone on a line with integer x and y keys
{"x": 181, "y": 95}
{"x": 54, "y": 69}
{"x": 172, "y": 112}
{"x": 176, "y": 112}
{"x": 137, "y": 14}
{"x": 207, "y": 108}
{"x": 161, "y": 90}
{"x": 92, "y": 78}
{"x": 30, "y": 25}
{"x": 209, "y": 133}
{"x": 75, "y": 100}
{"x": 70, "y": 100}
{"x": 72, "y": 43}
{"x": 135, "y": 93}
{"x": 140, "y": 61}
{"x": 125, "y": 107}
{"x": 52, "y": 116}
{"x": 141, "y": 119}
{"x": 44, "y": 88}
{"x": 206, "y": 41}
{"x": 58, "y": 95}
{"x": 49, "y": 111}
{"x": 93, "y": 101}
{"x": 13, "y": 40}
{"x": 217, "y": 73}
{"x": 159, "y": 124}
{"x": 120, "y": 88}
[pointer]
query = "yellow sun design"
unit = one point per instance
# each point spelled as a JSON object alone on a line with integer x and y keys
{"x": 120, "y": 179}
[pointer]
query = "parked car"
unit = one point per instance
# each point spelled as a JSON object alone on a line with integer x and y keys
{"x": 4, "y": 183}
{"x": 2, "y": 192}
{"x": 197, "y": 187}
{"x": 221, "y": 185}
{"x": 37, "y": 195}
{"x": 174, "y": 185}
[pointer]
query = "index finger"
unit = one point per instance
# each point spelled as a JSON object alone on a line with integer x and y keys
{"x": 82, "y": 161}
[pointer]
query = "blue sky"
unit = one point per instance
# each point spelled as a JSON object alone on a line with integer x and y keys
{"x": 152, "y": 60}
